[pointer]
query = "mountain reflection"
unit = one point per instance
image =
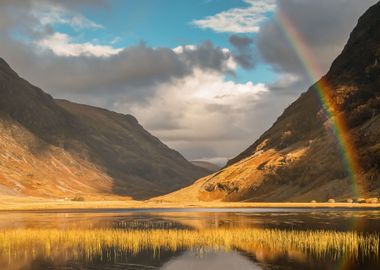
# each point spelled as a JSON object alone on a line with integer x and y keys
{"x": 191, "y": 260}
{"x": 190, "y": 240}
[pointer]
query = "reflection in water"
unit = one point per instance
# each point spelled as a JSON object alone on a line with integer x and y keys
{"x": 104, "y": 245}
{"x": 211, "y": 261}
{"x": 247, "y": 239}
{"x": 316, "y": 219}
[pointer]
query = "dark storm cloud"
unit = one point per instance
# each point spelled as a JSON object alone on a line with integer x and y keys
{"x": 324, "y": 25}
{"x": 244, "y": 51}
{"x": 240, "y": 43}
{"x": 134, "y": 71}
{"x": 132, "y": 77}
{"x": 206, "y": 56}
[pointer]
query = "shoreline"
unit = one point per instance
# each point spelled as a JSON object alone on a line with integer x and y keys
{"x": 30, "y": 205}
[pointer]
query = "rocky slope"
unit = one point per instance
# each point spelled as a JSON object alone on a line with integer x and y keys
{"x": 298, "y": 158}
{"x": 56, "y": 148}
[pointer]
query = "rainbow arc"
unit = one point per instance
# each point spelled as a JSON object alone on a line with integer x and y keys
{"x": 338, "y": 125}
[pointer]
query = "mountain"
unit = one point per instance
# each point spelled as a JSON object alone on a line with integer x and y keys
{"x": 211, "y": 167}
{"x": 298, "y": 159}
{"x": 56, "y": 148}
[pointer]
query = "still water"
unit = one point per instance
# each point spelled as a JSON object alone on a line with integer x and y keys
{"x": 184, "y": 239}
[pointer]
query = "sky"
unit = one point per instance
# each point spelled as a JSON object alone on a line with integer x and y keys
{"x": 207, "y": 77}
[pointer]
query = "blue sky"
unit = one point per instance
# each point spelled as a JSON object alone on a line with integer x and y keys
{"x": 209, "y": 101}
{"x": 160, "y": 23}
{"x": 163, "y": 23}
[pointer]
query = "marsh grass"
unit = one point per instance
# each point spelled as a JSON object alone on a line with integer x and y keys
{"x": 88, "y": 244}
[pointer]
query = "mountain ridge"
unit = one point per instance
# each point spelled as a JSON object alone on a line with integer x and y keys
{"x": 297, "y": 159}
{"x": 83, "y": 149}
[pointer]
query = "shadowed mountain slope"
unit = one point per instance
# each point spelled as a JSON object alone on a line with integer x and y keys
{"x": 298, "y": 159}
{"x": 56, "y": 148}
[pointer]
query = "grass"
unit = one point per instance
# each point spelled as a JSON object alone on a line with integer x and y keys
{"x": 8, "y": 203}
{"x": 87, "y": 244}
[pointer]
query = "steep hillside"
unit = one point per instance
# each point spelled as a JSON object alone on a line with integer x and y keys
{"x": 298, "y": 159}
{"x": 55, "y": 148}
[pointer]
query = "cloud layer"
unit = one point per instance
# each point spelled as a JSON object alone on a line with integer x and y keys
{"x": 62, "y": 45}
{"x": 187, "y": 96}
{"x": 323, "y": 25}
{"x": 180, "y": 94}
{"x": 244, "y": 51}
{"x": 238, "y": 20}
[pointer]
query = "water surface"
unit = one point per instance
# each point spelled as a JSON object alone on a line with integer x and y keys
{"x": 207, "y": 255}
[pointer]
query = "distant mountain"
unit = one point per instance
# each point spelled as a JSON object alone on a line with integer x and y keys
{"x": 206, "y": 165}
{"x": 56, "y": 148}
{"x": 298, "y": 159}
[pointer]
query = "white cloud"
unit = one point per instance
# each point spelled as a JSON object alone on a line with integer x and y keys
{"x": 286, "y": 80}
{"x": 213, "y": 89}
{"x": 200, "y": 108}
{"x": 46, "y": 14}
{"x": 49, "y": 15}
{"x": 183, "y": 97}
{"x": 182, "y": 48}
{"x": 62, "y": 45}
{"x": 239, "y": 20}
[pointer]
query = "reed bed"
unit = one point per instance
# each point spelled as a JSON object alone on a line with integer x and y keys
{"x": 86, "y": 244}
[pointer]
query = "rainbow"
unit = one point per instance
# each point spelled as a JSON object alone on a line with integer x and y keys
{"x": 338, "y": 124}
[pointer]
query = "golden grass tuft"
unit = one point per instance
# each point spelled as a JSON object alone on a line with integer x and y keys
{"x": 87, "y": 244}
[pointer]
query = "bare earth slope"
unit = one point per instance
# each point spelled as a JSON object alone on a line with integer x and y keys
{"x": 298, "y": 159}
{"x": 55, "y": 148}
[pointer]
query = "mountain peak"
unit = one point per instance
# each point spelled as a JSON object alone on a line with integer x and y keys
{"x": 299, "y": 158}
{"x": 61, "y": 148}
{"x": 360, "y": 59}
{"x": 6, "y": 69}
